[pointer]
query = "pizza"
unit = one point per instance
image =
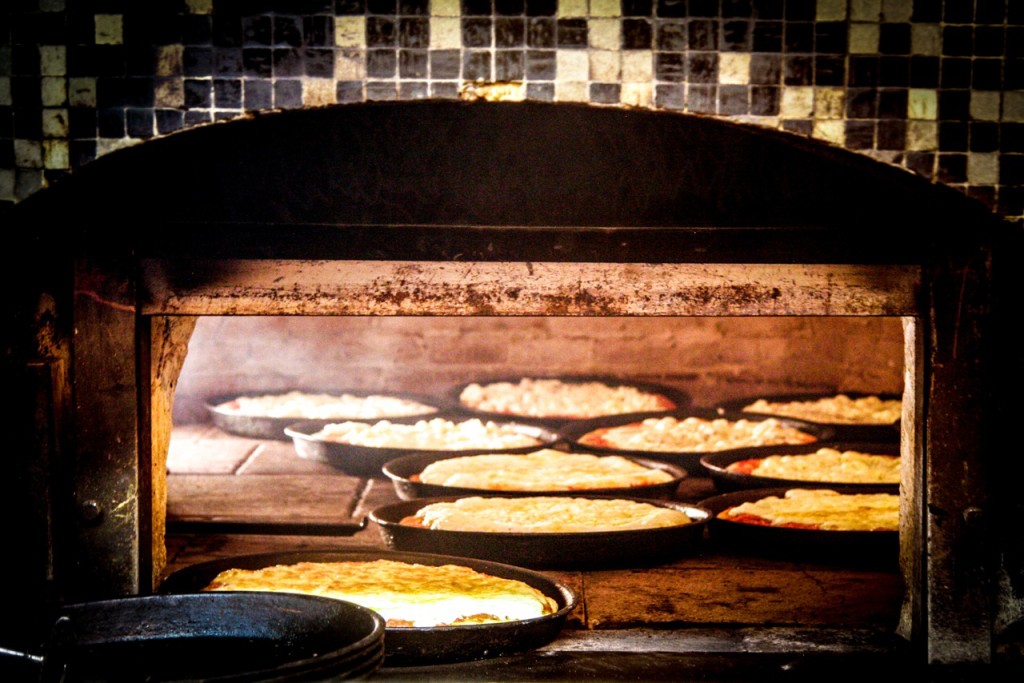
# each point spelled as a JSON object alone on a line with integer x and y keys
{"x": 434, "y": 434}
{"x": 838, "y": 409}
{"x": 695, "y": 434}
{"x": 544, "y": 514}
{"x": 544, "y": 470}
{"x": 315, "y": 406}
{"x": 820, "y": 509}
{"x": 405, "y": 594}
{"x": 555, "y": 398}
{"x": 824, "y": 465}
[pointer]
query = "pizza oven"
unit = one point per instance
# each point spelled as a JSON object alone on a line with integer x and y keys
{"x": 500, "y": 211}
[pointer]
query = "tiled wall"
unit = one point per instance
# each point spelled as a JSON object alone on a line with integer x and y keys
{"x": 934, "y": 86}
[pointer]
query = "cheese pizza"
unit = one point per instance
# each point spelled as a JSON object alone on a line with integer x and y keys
{"x": 544, "y": 470}
{"x": 838, "y": 409}
{"x": 555, "y": 398}
{"x": 820, "y": 509}
{"x": 435, "y": 434}
{"x": 544, "y": 514}
{"x": 824, "y": 465}
{"x": 695, "y": 434}
{"x": 315, "y": 406}
{"x": 405, "y": 594}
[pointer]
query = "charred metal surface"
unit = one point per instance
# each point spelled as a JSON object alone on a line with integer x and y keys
{"x": 595, "y": 289}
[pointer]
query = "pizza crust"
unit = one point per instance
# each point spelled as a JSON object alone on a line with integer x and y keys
{"x": 555, "y": 398}
{"x": 821, "y": 509}
{"x": 695, "y": 435}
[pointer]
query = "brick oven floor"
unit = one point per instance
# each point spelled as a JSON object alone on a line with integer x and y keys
{"x": 712, "y": 615}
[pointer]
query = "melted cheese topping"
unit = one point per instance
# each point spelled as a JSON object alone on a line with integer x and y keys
{"x": 543, "y": 470}
{"x": 839, "y": 409}
{"x": 313, "y": 406}
{"x": 824, "y": 509}
{"x": 556, "y": 398}
{"x": 694, "y": 434}
{"x": 544, "y": 514}
{"x": 828, "y": 465}
{"x": 435, "y": 434}
{"x": 404, "y": 594}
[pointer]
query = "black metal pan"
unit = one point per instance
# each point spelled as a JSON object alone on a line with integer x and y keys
{"x": 584, "y": 550}
{"x": 368, "y": 461}
{"x": 869, "y": 433}
{"x": 716, "y": 464}
{"x": 688, "y": 460}
{"x": 409, "y": 646}
{"x": 216, "y": 637}
{"x": 403, "y": 471}
{"x": 267, "y": 427}
{"x": 848, "y": 547}
{"x": 679, "y": 398}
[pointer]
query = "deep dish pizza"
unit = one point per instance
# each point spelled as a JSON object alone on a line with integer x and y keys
{"x": 695, "y": 434}
{"x": 544, "y": 470}
{"x": 544, "y": 514}
{"x": 555, "y": 398}
{"x": 437, "y": 434}
{"x": 838, "y": 409}
{"x": 314, "y": 406}
{"x": 824, "y": 465}
{"x": 820, "y": 509}
{"x": 405, "y": 594}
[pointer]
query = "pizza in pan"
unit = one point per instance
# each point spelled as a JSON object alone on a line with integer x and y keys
{"x": 319, "y": 405}
{"x": 555, "y": 398}
{"x": 695, "y": 434}
{"x": 838, "y": 409}
{"x": 824, "y": 465}
{"x": 821, "y": 510}
{"x": 405, "y": 594}
{"x": 435, "y": 434}
{"x": 544, "y": 514}
{"x": 544, "y": 470}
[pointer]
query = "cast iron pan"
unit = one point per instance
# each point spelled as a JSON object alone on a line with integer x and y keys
{"x": 868, "y": 433}
{"x": 402, "y": 470}
{"x": 265, "y": 427}
{"x": 716, "y": 463}
{"x": 848, "y": 547}
{"x": 409, "y": 646}
{"x": 688, "y": 460}
{"x": 368, "y": 461}
{"x": 599, "y": 549}
{"x": 216, "y": 637}
{"x": 680, "y": 398}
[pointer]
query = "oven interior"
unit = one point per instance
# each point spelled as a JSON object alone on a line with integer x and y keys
{"x": 505, "y": 221}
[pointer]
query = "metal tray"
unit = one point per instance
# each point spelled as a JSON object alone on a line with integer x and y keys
{"x": 846, "y": 547}
{"x": 410, "y": 646}
{"x": 216, "y": 637}
{"x": 402, "y": 470}
{"x": 687, "y": 460}
{"x": 681, "y": 398}
{"x": 368, "y": 461}
{"x": 266, "y": 427}
{"x": 716, "y": 463}
{"x": 868, "y": 433}
{"x": 579, "y": 550}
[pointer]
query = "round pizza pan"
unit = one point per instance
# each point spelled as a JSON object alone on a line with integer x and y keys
{"x": 369, "y": 461}
{"x": 414, "y": 646}
{"x": 848, "y": 547}
{"x": 680, "y": 398}
{"x": 212, "y": 637}
{"x": 687, "y": 460}
{"x": 574, "y": 550}
{"x": 403, "y": 470}
{"x": 267, "y": 427}
{"x": 869, "y": 433}
{"x": 716, "y": 465}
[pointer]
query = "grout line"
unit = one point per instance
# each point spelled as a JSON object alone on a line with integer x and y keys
{"x": 248, "y": 459}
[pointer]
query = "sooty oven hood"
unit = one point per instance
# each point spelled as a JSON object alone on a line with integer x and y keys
{"x": 445, "y": 208}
